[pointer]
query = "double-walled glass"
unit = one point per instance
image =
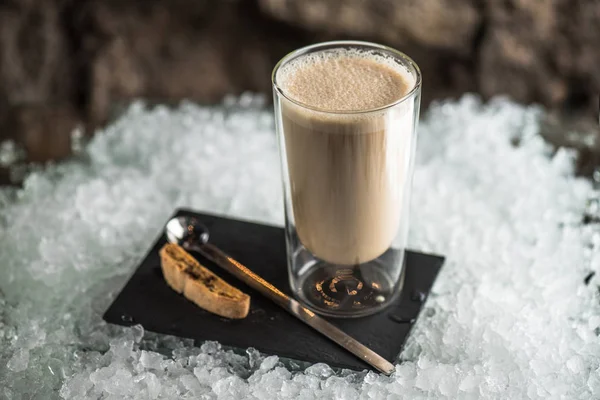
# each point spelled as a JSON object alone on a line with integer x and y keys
{"x": 347, "y": 181}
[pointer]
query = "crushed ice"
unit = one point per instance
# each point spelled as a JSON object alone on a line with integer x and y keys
{"x": 510, "y": 316}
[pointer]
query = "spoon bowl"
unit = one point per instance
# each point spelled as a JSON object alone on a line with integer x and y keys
{"x": 186, "y": 231}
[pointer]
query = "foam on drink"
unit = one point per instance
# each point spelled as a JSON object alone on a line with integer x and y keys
{"x": 345, "y": 80}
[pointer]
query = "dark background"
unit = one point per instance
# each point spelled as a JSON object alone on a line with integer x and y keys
{"x": 68, "y": 63}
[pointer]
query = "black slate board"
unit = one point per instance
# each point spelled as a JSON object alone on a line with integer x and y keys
{"x": 147, "y": 300}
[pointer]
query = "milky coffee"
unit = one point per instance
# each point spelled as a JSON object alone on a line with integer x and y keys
{"x": 347, "y": 162}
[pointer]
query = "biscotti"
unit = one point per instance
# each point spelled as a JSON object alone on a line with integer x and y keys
{"x": 184, "y": 274}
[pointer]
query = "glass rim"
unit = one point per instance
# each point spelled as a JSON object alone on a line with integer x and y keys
{"x": 341, "y": 43}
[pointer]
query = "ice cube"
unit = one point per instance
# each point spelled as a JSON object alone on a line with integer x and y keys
{"x": 151, "y": 360}
{"x": 269, "y": 363}
{"x": 232, "y": 387}
{"x": 320, "y": 370}
{"x": 19, "y": 361}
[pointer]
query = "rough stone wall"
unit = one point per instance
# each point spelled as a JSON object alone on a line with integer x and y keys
{"x": 72, "y": 60}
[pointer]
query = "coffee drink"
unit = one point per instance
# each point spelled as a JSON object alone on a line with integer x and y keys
{"x": 348, "y": 150}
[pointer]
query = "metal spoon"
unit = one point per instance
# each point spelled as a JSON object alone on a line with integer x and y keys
{"x": 192, "y": 235}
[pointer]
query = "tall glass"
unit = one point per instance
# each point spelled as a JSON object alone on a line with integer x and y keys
{"x": 347, "y": 181}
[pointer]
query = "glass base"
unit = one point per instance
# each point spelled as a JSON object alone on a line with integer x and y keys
{"x": 347, "y": 291}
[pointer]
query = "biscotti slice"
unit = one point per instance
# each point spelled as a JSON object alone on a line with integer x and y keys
{"x": 173, "y": 270}
{"x": 185, "y": 275}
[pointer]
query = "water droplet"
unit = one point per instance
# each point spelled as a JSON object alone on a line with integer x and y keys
{"x": 127, "y": 318}
{"x": 401, "y": 318}
{"x": 418, "y": 296}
